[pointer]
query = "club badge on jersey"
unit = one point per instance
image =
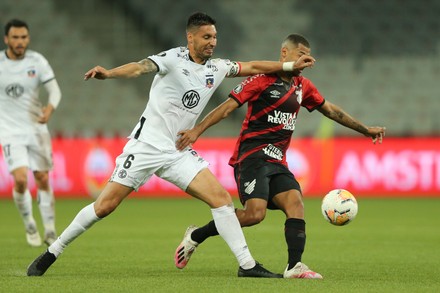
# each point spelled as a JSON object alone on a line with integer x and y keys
{"x": 31, "y": 72}
{"x": 209, "y": 81}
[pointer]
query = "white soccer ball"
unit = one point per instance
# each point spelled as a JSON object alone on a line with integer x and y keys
{"x": 339, "y": 207}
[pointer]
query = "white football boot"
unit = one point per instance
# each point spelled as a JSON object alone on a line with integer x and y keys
{"x": 185, "y": 249}
{"x": 301, "y": 271}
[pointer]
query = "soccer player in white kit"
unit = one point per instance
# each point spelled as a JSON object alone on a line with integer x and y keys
{"x": 24, "y": 135}
{"x": 186, "y": 78}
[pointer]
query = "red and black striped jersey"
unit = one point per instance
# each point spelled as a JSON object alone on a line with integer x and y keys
{"x": 273, "y": 107}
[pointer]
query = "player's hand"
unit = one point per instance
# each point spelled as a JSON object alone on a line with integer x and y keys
{"x": 376, "y": 133}
{"x": 303, "y": 62}
{"x": 46, "y": 113}
{"x": 187, "y": 137}
{"x": 97, "y": 72}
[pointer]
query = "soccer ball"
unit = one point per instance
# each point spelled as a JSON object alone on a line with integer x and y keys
{"x": 339, "y": 207}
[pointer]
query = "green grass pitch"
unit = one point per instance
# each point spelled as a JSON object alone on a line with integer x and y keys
{"x": 392, "y": 246}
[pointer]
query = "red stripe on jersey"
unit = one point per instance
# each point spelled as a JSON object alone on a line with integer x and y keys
{"x": 274, "y": 105}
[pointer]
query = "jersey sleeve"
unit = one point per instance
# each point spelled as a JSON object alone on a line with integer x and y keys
{"x": 165, "y": 60}
{"x": 248, "y": 90}
{"x": 46, "y": 71}
{"x": 311, "y": 98}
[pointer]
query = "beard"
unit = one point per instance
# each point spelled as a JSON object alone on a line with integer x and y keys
{"x": 18, "y": 52}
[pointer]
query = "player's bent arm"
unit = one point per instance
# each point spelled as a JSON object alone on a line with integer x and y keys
{"x": 54, "y": 92}
{"x": 215, "y": 116}
{"x": 222, "y": 111}
{"x": 54, "y": 99}
{"x": 268, "y": 67}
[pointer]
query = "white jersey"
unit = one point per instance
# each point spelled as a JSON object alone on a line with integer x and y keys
{"x": 20, "y": 82}
{"x": 179, "y": 93}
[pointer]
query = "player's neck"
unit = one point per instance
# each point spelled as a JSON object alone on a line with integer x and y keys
{"x": 10, "y": 55}
{"x": 196, "y": 60}
{"x": 286, "y": 77}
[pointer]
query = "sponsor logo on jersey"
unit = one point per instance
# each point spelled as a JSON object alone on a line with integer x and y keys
{"x": 212, "y": 67}
{"x": 273, "y": 152}
{"x": 288, "y": 119}
{"x": 184, "y": 56}
{"x": 238, "y": 89}
{"x": 185, "y": 72}
{"x": 14, "y": 90}
{"x": 162, "y": 54}
{"x": 249, "y": 187}
{"x": 209, "y": 81}
{"x": 275, "y": 94}
{"x": 191, "y": 99}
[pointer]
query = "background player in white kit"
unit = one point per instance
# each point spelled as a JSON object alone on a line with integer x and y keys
{"x": 185, "y": 81}
{"x": 24, "y": 135}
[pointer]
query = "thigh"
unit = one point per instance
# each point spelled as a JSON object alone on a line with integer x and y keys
{"x": 182, "y": 167}
{"x": 110, "y": 198}
{"x": 137, "y": 163}
{"x": 252, "y": 180}
{"x": 15, "y": 152}
{"x": 40, "y": 152}
{"x": 206, "y": 187}
{"x": 282, "y": 182}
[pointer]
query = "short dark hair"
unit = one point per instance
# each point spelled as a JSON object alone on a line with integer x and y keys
{"x": 198, "y": 19}
{"x": 297, "y": 39}
{"x": 15, "y": 23}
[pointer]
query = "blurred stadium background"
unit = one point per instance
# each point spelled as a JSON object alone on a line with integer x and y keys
{"x": 380, "y": 60}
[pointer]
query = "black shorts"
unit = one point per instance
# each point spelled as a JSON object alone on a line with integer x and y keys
{"x": 261, "y": 179}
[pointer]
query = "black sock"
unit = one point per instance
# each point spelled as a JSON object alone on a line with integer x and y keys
{"x": 295, "y": 233}
{"x": 202, "y": 233}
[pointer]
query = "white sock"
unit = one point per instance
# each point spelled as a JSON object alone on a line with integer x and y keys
{"x": 46, "y": 203}
{"x": 83, "y": 221}
{"x": 229, "y": 228}
{"x": 23, "y": 202}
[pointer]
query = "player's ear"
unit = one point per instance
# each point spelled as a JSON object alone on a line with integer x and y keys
{"x": 283, "y": 52}
{"x": 189, "y": 37}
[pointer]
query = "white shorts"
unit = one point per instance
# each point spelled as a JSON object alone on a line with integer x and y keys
{"x": 33, "y": 151}
{"x": 139, "y": 161}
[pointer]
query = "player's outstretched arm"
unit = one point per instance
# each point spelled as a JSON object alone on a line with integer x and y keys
{"x": 268, "y": 67}
{"x": 334, "y": 112}
{"x": 129, "y": 70}
{"x": 190, "y": 136}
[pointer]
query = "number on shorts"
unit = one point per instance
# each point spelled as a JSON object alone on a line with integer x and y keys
{"x": 128, "y": 161}
{"x": 7, "y": 150}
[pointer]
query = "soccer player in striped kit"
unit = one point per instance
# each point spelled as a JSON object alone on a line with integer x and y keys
{"x": 259, "y": 160}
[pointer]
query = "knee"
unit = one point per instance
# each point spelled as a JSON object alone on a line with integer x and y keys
{"x": 20, "y": 182}
{"x": 294, "y": 208}
{"x": 104, "y": 208}
{"x": 254, "y": 217}
{"x": 220, "y": 198}
{"x": 298, "y": 203}
{"x": 42, "y": 180}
